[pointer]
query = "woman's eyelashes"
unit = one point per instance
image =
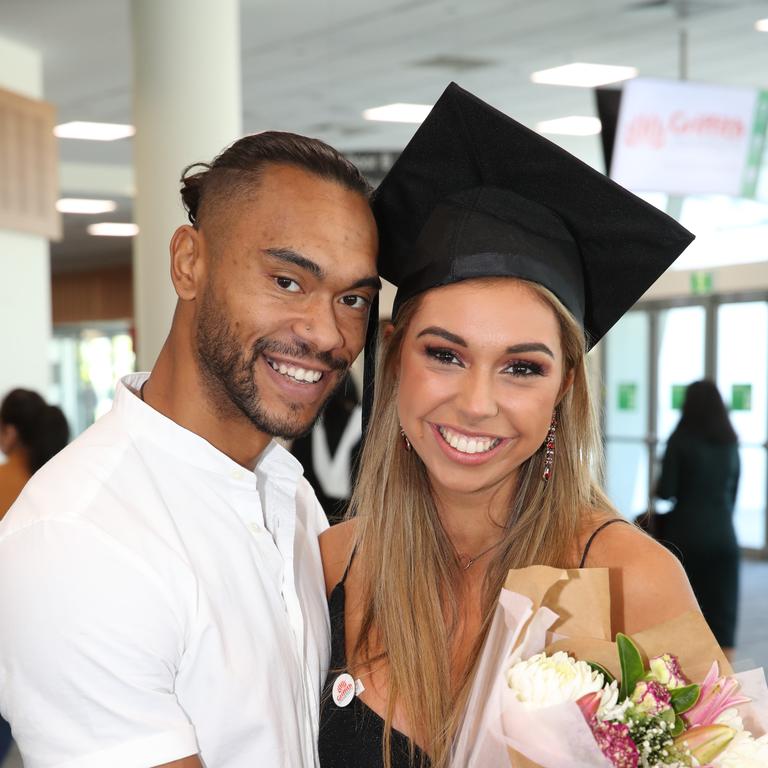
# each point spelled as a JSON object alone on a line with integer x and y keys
{"x": 444, "y": 356}
{"x": 518, "y": 368}
{"x": 525, "y": 368}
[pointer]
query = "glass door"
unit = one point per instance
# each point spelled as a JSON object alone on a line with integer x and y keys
{"x": 627, "y": 398}
{"x": 742, "y": 378}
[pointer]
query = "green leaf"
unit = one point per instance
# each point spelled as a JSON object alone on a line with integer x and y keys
{"x": 678, "y": 727}
{"x": 632, "y": 667}
{"x": 684, "y": 698}
{"x": 607, "y": 676}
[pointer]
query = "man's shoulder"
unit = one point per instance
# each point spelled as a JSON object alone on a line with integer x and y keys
{"x": 66, "y": 488}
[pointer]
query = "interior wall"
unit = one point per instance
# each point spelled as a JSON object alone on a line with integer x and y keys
{"x": 97, "y": 294}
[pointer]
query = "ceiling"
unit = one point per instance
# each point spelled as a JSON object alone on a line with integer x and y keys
{"x": 312, "y": 66}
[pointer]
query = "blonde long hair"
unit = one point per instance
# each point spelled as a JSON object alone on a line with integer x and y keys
{"x": 410, "y": 575}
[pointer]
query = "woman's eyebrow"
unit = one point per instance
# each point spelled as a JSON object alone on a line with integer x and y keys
{"x": 434, "y": 330}
{"x": 533, "y": 346}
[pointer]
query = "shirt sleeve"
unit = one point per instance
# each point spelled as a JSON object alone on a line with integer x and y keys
{"x": 90, "y": 642}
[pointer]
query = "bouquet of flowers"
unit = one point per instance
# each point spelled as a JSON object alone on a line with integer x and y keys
{"x": 553, "y": 691}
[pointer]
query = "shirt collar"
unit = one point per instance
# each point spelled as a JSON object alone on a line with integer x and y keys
{"x": 144, "y": 422}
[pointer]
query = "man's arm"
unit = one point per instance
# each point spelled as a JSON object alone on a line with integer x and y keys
{"x": 90, "y": 642}
{"x": 185, "y": 762}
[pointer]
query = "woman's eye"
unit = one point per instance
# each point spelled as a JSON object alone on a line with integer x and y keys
{"x": 524, "y": 368}
{"x": 354, "y": 301}
{"x": 287, "y": 284}
{"x": 444, "y": 356}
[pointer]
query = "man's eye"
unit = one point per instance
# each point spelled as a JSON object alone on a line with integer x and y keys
{"x": 354, "y": 301}
{"x": 287, "y": 284}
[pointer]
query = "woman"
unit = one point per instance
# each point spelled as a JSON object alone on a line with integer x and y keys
{"x": 701, "y": 472}
{"x": 31, "y": 432}
{"x": 479, "y": 452}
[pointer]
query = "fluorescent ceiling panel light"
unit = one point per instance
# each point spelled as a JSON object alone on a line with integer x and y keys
{"x": 584, "y": 75}
{"x": 398, "y": 113}
{"x": 761, "y": 25}
{"x": 93, "y": 131}
{"x": 574, "y": 125}
{"x": 113, "y": 229}
{"x": 79, "y": 205}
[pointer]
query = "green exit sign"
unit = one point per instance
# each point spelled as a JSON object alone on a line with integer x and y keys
{"x": 741, "y": 397}
{"x": 701, "y": 283}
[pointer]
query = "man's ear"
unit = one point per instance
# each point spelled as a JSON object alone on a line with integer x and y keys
{"x": 566, "y": 385}
{"x": 187, "y": 263}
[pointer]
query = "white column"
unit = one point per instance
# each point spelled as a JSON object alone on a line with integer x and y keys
{"x": 187, "y": 108}
{"x": 25, "y": 274}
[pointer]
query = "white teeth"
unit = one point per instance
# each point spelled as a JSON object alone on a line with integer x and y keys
{"x": 468, "y": 444}
{"x": 298, "y": 374}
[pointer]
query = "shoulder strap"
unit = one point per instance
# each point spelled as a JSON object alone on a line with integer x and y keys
{"x": 349, "y": 565}
{"x": 594, "y": 533}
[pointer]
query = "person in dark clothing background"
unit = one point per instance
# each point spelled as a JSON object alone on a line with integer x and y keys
{"x": 330, "y": 452}
{"x": 700, "y": 471}
{"x": 31, "y": 433}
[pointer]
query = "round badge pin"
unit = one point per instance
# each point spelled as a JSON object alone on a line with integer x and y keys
{"x": 343, "y": 690}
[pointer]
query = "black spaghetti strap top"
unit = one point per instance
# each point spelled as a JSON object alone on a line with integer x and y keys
{"x": 592, "y": 537}
{"x": 352, "y": 736}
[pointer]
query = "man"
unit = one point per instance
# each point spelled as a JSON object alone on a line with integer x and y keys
{"x": 161, "y": 592}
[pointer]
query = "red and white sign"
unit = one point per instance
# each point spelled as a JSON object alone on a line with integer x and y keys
{"x": 683, "y": 138}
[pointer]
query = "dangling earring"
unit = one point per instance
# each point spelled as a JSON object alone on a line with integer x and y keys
{"x": 549, "y": 455}
{"x": 406, "y": 441}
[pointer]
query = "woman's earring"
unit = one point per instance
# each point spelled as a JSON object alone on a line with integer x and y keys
{"x": 549, "y": 455}
{"x": 406, "y": 441}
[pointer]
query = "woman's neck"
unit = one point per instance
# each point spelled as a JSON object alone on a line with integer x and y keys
{"x": 473, "y": 521}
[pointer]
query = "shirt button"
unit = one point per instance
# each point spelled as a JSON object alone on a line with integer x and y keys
{"x": 237, "y": 474}
{"x": 255, "y": 528}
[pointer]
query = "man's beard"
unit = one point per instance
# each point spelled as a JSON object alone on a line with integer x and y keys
{"x": 228, "y": 371}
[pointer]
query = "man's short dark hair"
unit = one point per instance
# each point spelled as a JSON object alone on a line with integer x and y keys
{"x": 238, "y": 169}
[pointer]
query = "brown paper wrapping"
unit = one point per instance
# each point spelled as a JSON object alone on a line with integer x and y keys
{"x": 581, "y": 599}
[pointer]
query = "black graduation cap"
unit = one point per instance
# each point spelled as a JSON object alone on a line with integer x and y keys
{"x": 477, "y": 194}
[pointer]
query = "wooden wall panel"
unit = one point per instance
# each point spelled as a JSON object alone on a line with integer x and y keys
{"x": 99, "y": 294}
{"x": 29, "y": 175}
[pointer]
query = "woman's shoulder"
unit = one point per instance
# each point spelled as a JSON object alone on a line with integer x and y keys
{"x": 648, "y": 583}
{"x": 336, "y": 544}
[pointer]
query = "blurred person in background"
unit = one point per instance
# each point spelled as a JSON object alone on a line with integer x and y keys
{"x": 330, "y": 452}
{"x": 31, "y": 433}
{"x": 700, "y": 471}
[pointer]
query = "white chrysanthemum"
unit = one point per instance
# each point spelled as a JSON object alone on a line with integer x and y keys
{"x": 610, "y": 708}
{"x": 543, "y": 681}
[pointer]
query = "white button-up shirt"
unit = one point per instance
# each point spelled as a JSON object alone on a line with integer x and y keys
{"x": 158, "y": 600}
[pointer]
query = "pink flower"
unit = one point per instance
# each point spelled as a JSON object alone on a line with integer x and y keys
{"x": 651, "y": 697}
{"x": 717, "y": 694}
{"x": 589, "y": 703}
{"x": 615, "y": 743}
{"x": 666, "y": 670}
{"x": 706, "y": 742}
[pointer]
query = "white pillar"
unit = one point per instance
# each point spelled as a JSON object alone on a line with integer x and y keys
{"x": 25, "y": 273}
{"x": 187, "y": 108}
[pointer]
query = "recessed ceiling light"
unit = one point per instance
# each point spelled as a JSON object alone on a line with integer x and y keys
{"x": 78, "y": 205}
{"x": 398, "y": 113}
{"x": 93, "y": 131}
{"x": 113, "y": 229}
{"x": 584, "y": 75}
{"x": 761, "y": 25}
{"x": 574, "y": 125}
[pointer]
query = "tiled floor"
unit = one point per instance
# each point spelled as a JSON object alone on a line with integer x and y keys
{"x": 752, "y": 636}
